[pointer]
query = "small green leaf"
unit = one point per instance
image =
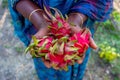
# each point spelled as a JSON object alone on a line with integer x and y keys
{"x": 63, "y": 39}
{"x": 46, "y": 57}
{"x": 44, "y": 44}
{"x": 32, "y": 52}
{"x": 72, "y": 24}
{"x": 54, "y": 48}
{"x": 77, "y": 57}
{"x": 69, "y": 57}
{"x": 65, "y": 68}
{"x": 54, "y": 65}
{"x": 49, "y": 26}
{"x": 45, "y": 37}
{"x": 42, "y": 54}
{"x": 54, "y": 41}
{"x": 74, "y": 41}
{"x": 35, "y": 41}
{"x": 59, "y": 24}
{"x": 27, "y": 49}
{"x": 73, "y": 49}
{"x": 66, "y": 17}
{"x": 62, "y": 47}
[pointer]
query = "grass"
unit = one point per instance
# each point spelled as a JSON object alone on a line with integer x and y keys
{"x": 106, "y": 33}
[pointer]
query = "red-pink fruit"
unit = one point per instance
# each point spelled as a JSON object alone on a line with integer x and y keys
{"x": 44, "y": 44}
{"x": 81, "y": 41}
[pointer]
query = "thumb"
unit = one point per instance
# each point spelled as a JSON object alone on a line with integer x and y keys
{"x": 92, "y": 43}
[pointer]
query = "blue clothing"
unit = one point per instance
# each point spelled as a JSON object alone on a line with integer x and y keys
{"x": 96, "y": 10}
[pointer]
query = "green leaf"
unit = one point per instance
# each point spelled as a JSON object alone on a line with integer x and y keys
{"x": 65, "y": 68}
{"x": 73, "y": 49}
{"x": 69, "y": 57}
{"x": 42, "y": 54}
{"x": 35, "y": 41}
{"x": 32, "y": 52}
{"x": 44, "y": 44}
{"x": 72, "y": 24}
{"x": 29, "y": 47}
{"x": 46, "y": 57}
{"x": 59, "y": 24}
{"x": 63, "y": 39}
{"x": 62, "y": 47}
{"x": 49, "y": 26}
{"x": 54, "y": 41}
{"x": 54, "y": 48}
{"x": 77, "y": 57}
{"x": 54, "y": 65}
{"x": 74, "y": 41}
{"x": 45, "y": 37}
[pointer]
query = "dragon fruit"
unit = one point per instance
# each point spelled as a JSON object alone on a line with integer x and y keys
{"x": 40, "y": 47}
{"x": 59, "y": 26}
{"x": 60, "y": 47}
{"x": 81, "y": 40}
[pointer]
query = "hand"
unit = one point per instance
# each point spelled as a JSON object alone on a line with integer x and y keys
{"x": 74, "y": 18}
{"x": 92, "y": 43}
{"x": 46, "y": 63}
{"x": 42, "y": 32}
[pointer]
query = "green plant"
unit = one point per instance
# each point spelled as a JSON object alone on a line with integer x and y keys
{"x": 4, "y": 3}
{"x": 115, "y": 69}
{"x": 116, "y": 15}
{"x": 108, "y": 53}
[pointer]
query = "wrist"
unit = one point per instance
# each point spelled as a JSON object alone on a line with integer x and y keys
{"x": 31, "y": 11}
{"x": 41, "y": 32}
{"x": 77, "y": 18}
{"x": 38, "y": 20}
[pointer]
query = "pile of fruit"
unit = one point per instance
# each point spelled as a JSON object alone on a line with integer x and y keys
{"x": 61, "y": 47}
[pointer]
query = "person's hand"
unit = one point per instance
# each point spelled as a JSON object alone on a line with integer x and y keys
{"x": 75, "y": 28}
{"x": 92, "y": 43}
{"x": 43, "y": 31}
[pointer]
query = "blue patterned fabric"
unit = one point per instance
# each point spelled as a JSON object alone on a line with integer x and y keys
{"x": 96, "y": 10}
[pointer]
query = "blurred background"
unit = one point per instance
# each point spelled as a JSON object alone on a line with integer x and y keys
{"x": 104, "y": 63}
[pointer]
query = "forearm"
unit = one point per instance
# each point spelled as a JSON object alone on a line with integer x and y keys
{"x": 26, "y": 7}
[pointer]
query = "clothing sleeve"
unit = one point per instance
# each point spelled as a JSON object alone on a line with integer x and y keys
{"x": 98, "y": 10}
{"x": 18, "y": 21}
{"x": 16, "y": 17}
{"x": 13, "y": 3}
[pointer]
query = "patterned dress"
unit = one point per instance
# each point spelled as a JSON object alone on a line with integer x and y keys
{"x": 96, "y": 10}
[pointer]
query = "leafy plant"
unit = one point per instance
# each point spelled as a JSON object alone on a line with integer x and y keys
{"x": 108, "y": 53}
{"x": 4, "y": 3}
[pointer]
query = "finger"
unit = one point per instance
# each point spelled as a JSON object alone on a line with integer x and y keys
{"x": 56, "y": 68}
{"x": 86, "y": 31}
{"x": 81, "y": 60}
{"x": 47, "y": 64}
{"x": 76, "y": 29}
{"x": 43, "y": 59}
{"x": 41, "y": 33}
{"x": 92, "y": 43}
